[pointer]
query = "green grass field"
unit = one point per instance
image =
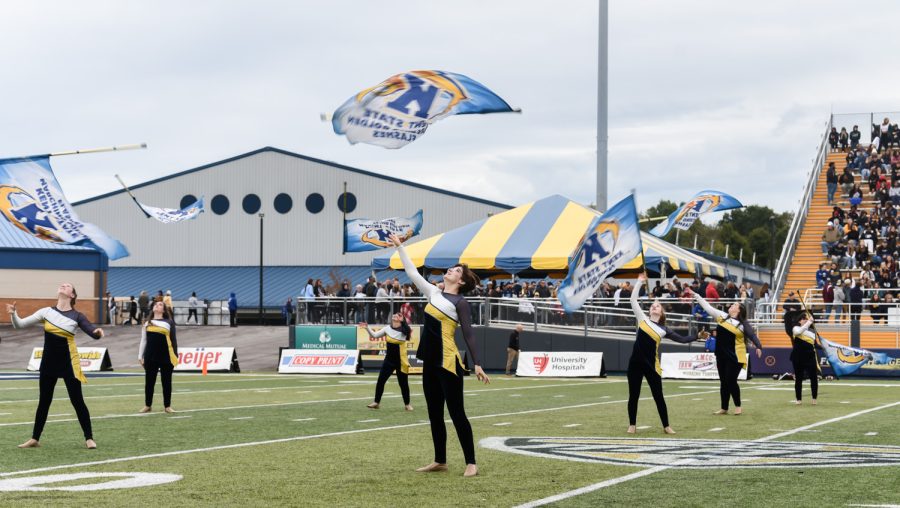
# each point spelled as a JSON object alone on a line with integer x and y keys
{"x": 267, "y": 440}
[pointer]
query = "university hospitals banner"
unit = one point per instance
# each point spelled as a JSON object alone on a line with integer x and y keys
{"x": 93, "y": 359}
{"x": 691, "y": 366}
{"x": 317, "y": 361}
{"x": 559, "y": 364}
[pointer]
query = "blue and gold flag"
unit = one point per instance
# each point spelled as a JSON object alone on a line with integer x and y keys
{"x": 399, "y": 110}
{"x": 703, "y": 202}
{"x": 846, "y": 360}
{"x": 612, "y": 240}
{"x": 361, "y": 235}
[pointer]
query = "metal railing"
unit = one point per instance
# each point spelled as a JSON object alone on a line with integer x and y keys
{"x": 212, "y": 313}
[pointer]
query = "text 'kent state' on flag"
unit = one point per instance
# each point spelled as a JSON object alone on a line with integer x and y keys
{"x": 170, "y": 215}
{"x": 368, "y": 234}
{"x": 399, "y": 110}
{"x": 846, "y": 360}
{"x": 612, "y": 240}
{"x": 32, "y": 200}
{"x": 705, "y": 201}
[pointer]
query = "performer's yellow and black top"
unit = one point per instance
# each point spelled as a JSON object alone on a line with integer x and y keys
{"x": 444, "y": 313}
{"x": 395, "y": 340}
{"x": 60, "y": 357}
{"x": 731, "y": 334}
{"x": 645, "y": 353}
{"x": 159, "y": 343}
{"x": 805, "y": 342}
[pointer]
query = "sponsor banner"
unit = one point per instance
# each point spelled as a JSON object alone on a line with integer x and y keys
{"x": 223, "y": 359}
{"x": 93, "y": 359}
{"x": 317, "y": 361}
{"x": 323, "y": 337}
{"x": 691, "y": 366}
{"x": 559, "y": 364}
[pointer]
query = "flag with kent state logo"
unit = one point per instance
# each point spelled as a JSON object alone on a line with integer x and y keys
{"x": 170, "y": 215}
{"x": 705, "y": 201}
{"x": 399, "y": 110}
{"x": 846, "y": 360}
{"x": 32, "y": 201}
{"x": 361, "y": 235}
{"x": 612, "y": 240}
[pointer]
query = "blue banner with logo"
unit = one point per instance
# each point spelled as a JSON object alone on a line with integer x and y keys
{"x": 170, "y": 215}
{"x": 612, "y": 240}
{"x": 846, "y": 360}
{"x": 705, "y": 201}
{"x": 367, "y": 234}
{"x": 32, "y": 200}
{"x": 399, "y": 110}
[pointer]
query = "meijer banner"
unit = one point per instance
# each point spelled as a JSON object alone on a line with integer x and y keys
{"x": 217, "y": 359}
{"x": 691, "y": 366}
{"x": 559, "y": 364}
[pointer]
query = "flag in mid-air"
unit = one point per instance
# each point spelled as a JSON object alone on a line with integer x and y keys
{"x": 170, "y": 215}
{"x": 32, "y": 200}
{"x": 367, "y": 234}
{"x": 612, "y": 240}
{"x": 399, "y": 110}
{"x": 703, "y": 202}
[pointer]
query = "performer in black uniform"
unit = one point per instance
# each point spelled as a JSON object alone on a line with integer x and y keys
{"x": 158, "y": 353}
{"x": 396, "y": 338}
{"x": 60, "y": 359}
{"x": 644, "y": 362}
{"x": 442, "y": 371}
{"x": 731, "y": 350}
{"x": 804, "y": 357}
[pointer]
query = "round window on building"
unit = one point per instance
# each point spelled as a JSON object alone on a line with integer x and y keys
{"x": 351, "y": 203}
{"x": 251, "y": 203}
{"x": 315, "y": 203}
{"x": 188, "y": 199}
{"x": 219, "y": 204}
{"x": 283, "y": 203}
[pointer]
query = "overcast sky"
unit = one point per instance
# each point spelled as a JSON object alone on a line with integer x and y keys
{"x": 702, "y": 94}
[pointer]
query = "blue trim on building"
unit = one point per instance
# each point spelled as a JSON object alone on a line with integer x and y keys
{"x": 306, "y": 158}
{"x": 49, "y": 259}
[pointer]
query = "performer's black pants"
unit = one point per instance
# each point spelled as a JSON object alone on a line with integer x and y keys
{"x": 73, "y": 386}
{"x": 728, "y": 382}
{"x": 150, "y": 369}
{"x": 442, "y": 386}
{"x": 636, "y": 374}
{"x": 805, "y": 364}
{"x": 388, "y": 368}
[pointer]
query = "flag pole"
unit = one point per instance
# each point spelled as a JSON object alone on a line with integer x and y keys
{"x": 643, "y": 261}
{"x": 132, "y": 196}
{"x": 117, "y": 148}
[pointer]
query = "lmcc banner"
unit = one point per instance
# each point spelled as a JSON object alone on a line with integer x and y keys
{"x": 691, "y": 366}
{"x": 559, "y": 364}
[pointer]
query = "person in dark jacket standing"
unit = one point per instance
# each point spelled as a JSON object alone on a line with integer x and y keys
{"x": 512, "y": 350}
{"x": 831, "y": 180}
{"x": 232, "y": 310}
{"x": 855, "y": 298}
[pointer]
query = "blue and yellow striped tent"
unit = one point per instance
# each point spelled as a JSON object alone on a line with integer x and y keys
{"x": 535, "y": 240}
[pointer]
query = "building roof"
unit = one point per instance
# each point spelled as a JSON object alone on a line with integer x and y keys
{"x": 216, "y": 282}
{"x": 304, "y": 157}
{"x": 12, "y": 237}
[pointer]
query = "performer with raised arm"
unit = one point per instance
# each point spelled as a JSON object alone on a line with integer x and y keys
{"x": 396, "y": 337}
{"x": 158, "y": 353}
{"x": 644, "y": 362}
{"x": 60, "y": 359}
{"x": 804, "y": 357}
{"x": 731, "y": 351}
{"x": 442, "y": 370}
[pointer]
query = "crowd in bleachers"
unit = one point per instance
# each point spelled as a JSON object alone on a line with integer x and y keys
{"x": 860, "y": 240}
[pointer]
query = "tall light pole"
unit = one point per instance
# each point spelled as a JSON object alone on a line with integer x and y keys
{"x": 602, "y": 100}
{"x": 261, "y": 217}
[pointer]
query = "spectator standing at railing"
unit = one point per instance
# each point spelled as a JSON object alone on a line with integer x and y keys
{"x": 831, "y": 180}
{"x": 132, "y": 311}
{"x": 833, "y": 139}
{"x": 309, "y": 296}
{"x": 382, "y": 303}
{"x": 193, "y": 304}
{"x": 711, "y": 293}
{"x": 512, "y": 348}
{"x": 111, "y": 309}
{"x": 854, "y": 136}
{"x": 232, "y": 310}
{"x": 731, "y": 291}
{"x": 876, "y": 309}
{"x": 358, "y": 309}
{"x": 840, "y": 297}
{"x": 855, "y": 298}
{"x": 886, "y": 132}
{"x": 287, "y": 311}
{"x": 144, "y": 305}
{"x": 828, "y": 299}
{"x": 371, "y": 289}
{"x": 844, "y": 139}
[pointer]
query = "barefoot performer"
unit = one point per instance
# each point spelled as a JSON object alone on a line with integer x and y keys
{"x": 396, "y": 338}
{"x": 158, "y": 353}
{"x": 60, "y": 359}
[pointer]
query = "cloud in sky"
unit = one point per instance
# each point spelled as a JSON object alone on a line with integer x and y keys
{"x": 703, "y": 94}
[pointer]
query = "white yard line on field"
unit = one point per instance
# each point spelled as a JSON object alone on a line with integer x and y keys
{"x": 330, "y": 434}
{"x": 646, "y": 472}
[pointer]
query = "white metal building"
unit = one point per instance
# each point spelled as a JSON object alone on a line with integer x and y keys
{"x": 301, "y": 198}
